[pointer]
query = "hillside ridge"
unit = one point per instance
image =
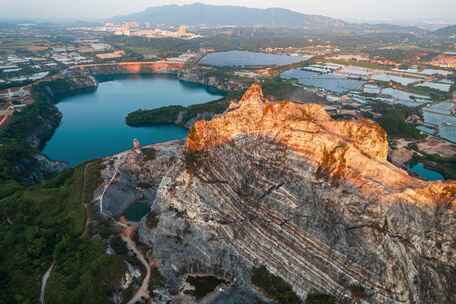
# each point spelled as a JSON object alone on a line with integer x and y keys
{"x": 198, "y": 14}
{"x": 353, "y": 152}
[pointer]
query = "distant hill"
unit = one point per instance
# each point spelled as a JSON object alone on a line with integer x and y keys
{"x": 446, "y": 31}
{"x": 391, "y": 28}
{"x": 211, "y": 15}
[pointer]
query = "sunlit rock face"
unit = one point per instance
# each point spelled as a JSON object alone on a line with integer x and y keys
{"x": 313, "y": 199}
{"x": 352, "y": 152}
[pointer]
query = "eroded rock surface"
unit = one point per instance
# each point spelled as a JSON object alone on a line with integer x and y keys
{"x": 135, "y": 175}
{"x": 312, "y": 199}
{"x": 353, "y": 152}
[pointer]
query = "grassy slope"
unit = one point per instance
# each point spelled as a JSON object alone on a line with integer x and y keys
{"x": 273, "y": 286}
{"x": 44, "y": 223}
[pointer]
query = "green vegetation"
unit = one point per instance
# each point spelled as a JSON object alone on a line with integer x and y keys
{"x": 164, "y": 115}
{"x": 278, "y": 87}
{"x": 436, "y": 95}
{"x": 156, "y": 279}
{"x": 170, "y": 114}
{"x": 393, "y": 121}
{"x": 397, "y": 55}
{"x": 44, "y": 223}
{"x": 149, "y": 153}
{"x": 203, "y": 285}
{"x": 216, "y": 107}
{"x": 319, "y": 298}
{"x": 281, "y": 89}
{"x": 92, "y": 179}
{"x": 25, "y": 134}
{"x": 452, "y": 76}
{"x": 273, "y": 286}
{"x": 160, "y": 47}
{"x": 221, "y": 73}
{"x": 8, "y": 187}
{"x": 15, "y": 150}
{"x": 243, "y": 39}
{"x": 84, "y": 273}
{"x": 63, "y": 87}
{"x": 152, "y": 220}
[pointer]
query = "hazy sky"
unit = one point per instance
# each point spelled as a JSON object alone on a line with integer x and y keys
{"x": 348, "y": 9}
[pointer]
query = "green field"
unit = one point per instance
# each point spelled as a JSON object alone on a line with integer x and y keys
{"x": 45, "y": 223}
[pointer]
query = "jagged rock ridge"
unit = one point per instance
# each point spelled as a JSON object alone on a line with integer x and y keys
{"x": 353, "y": 152}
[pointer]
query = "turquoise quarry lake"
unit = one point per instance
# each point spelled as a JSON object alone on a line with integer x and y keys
{"x": 425, "y": 173}
{"x": 93, "y": 125}
{"x": 137, "y": 211}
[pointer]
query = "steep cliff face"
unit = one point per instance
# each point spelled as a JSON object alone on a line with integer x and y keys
{"x": 64, "y": 86}
{"x": 312, "y": 199}
{"x": 135, "y": 175}
{"x": 156, "y": 67}
{"x": 353, "y": 152}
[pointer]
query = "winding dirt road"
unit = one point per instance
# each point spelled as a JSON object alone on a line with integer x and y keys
{"x": 44, "y": 281}
{"x": 143, "y": 291}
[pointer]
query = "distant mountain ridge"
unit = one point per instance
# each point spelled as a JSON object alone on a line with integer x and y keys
{"x": 198, "y": 14}
{"x": 446, "y": 31}
{"x": 214, "y": 15}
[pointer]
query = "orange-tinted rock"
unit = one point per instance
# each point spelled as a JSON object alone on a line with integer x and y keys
{"x": 352, "y": 152}
{"x": 135, "y": 67}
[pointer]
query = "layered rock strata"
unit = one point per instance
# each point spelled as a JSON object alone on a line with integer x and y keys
{"x": 311, "y": 198}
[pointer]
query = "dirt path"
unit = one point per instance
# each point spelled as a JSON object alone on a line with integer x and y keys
{"x": 46, "y": 276}
{"x": 85, "y": 202}
{"x": 4, "y": 120}
{"x": 44, "y": 281}
{"x": 101, "y": 197}
{"x": 143, "y": 291}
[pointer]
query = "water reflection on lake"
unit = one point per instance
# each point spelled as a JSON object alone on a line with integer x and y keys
{"x": 93, "y": 125}
{"x": 245, "y": 59}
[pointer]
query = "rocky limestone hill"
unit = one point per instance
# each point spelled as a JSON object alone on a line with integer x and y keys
{"x": 314, "y": 200}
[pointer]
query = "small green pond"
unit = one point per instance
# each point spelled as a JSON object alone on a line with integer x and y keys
{"x": 425, "y": 173}
{"x": 137, "y": 211}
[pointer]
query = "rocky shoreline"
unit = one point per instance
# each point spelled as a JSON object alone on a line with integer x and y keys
{"x": 35, "y": 125}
